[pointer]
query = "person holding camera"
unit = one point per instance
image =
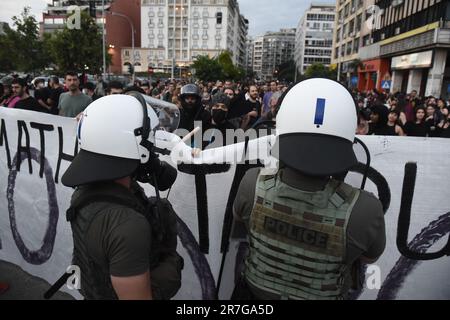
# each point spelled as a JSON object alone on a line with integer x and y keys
{"x": 124, "y": 243}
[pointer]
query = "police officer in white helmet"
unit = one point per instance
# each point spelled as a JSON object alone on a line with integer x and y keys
{"x": 124, "y": 244}
{"x": 306, "y": 229}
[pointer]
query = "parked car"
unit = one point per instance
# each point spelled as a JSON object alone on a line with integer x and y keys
{"x": 33, "y": 82}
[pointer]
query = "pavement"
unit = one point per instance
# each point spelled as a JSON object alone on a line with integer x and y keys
{"x": 24, "y": 286}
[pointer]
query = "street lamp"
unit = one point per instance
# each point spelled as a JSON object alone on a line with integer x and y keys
{"x": 133, "y": 60}
{"x": 341, "y": 23}
{"x": 103, "y": 39}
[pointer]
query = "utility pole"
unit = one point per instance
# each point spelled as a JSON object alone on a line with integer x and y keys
{"x": 341, "y": 22}
{"x": 133, "y": 59}
{"x": 173, "y": 68}
{"x": 103, "y": 39}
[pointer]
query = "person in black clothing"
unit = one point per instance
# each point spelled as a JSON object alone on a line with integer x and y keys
{"x": 394, "y": 127}
{"x": 379, "y": 119}
{"x": 246, "y": 106}
{"x": 219, "y": 122}
{"x": 90, "y": 91}
{"x": 114, "y": 87}
{"x": 42, "y": 94}
{"x": 418, "y": 127}
{"x": 192, "y": 109}
{"x": 432, "y": 120}
{"x": 55, "y": 91}
{"x": 19, "y": 87}
{"x": 444, "y": 126}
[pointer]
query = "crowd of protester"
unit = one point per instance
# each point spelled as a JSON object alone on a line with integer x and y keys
{"x": 234, "y": 105}
{"x": 402, "y": 115}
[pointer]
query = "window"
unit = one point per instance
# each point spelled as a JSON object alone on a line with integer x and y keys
{"x": 366, "y": 40}
{"x": 349, "y": 48}
{"x": 358, "y": 23}
{"x": 351, "y": 28}
{"x": 356, "y": 45}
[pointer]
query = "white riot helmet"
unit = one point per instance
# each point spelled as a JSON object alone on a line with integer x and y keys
{"x": 316, "y": 127}
{"x": 113, "y": 135}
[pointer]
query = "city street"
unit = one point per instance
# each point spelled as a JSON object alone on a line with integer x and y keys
{"x": 24, "y": 286}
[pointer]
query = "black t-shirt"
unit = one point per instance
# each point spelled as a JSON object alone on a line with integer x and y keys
{"x": 42, "y": 94}
{"x": 30, "y": 104}
{"x": 54, "y": 96}
{"x": 188, "y": 117}
{"x": 240, "y": 106}
{"x": 417, "y": 129}
{"x": 445, "y": 133}
{"x": 390, "y": 131}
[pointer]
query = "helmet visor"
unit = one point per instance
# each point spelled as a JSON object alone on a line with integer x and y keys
{"x": 315, "y": 154}
{"x": 168, "y": 114}
{"x": 89, "y": 167}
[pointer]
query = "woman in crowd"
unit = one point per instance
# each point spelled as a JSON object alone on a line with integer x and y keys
{"x": 394, "y": 127}
{"x": 418, "y": 127}
{"x": 378, "y": 121}
{"x": 432, "y": 120}
{"x": 444, "y": 126}
{"x": 398, "y": 106}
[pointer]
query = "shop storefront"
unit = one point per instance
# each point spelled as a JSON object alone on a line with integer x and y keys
{"x": 372, "y": 73}
{"x": 421, "y": 71}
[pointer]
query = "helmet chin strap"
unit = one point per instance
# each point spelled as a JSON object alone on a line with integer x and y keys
{"x": 368, "y": 162}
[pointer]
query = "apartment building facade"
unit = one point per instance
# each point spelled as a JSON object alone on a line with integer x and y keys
{"x": 413, "y": 38}
{"x": 314, "y": 36}
{"x": 54, "y": 18}
{"x": 352, "y": 32}
{"x": 177, "y": 31}
{"x": 272, "y": 50}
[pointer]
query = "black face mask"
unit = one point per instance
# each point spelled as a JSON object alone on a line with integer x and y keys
{"x": 219, "y": 116}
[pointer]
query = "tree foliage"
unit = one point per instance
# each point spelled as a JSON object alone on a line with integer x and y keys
{"x": 319, "y": 70}
{"x": 286, "y": 71}
{"x": 21, "y": 48}
{"x": 78, "y": 49}
{"x": 207, "y": 69}
{"x": 221, "y": 67}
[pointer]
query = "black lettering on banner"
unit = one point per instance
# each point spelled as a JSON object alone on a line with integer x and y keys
{"x": 199, "y": 261}
{"x": 22, "y": 127}
{"x": 42, "y": 255}
{"x": 4, "y": 139}
{"x": 42, "y": 127}
{"x": 404, "y": 267}
{"x": 62, "y": 155}
{"x": 200, "y": 172}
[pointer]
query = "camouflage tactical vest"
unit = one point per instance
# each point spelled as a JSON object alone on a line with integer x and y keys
{"x": 298, "y": 239}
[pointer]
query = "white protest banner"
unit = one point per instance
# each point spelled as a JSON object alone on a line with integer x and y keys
{"x": 35, "y": 235}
